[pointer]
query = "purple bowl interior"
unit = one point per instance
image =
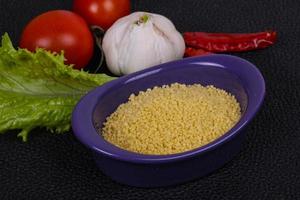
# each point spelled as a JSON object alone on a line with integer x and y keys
{"x": 230, "y": 73}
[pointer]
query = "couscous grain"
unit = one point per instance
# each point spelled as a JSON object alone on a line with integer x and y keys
{"x": 172, "y": 119}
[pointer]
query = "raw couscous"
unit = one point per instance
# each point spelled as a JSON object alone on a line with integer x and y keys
{"x": 172, "y": 119}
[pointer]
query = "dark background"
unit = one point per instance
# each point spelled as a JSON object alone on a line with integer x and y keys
{"x": 53, "y": 166}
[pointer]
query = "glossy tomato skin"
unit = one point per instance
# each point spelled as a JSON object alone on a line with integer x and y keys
{"x": 102, "y": 13}
{"x": 60, "y": 30}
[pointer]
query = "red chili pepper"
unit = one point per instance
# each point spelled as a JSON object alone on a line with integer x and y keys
{"x": 190, "y": 51}
{"x": 229, "y": 42}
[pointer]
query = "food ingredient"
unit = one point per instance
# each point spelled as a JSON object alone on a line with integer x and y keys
{"x": 39, "y": 90}
{"x": 190, "y": 52}
{"x": 141, "y": 40}
{"x": 172, "y": 119}
{"x": 229, "y": 42}
{"x": 60, "y": 30}
{"x": 102, "y": 13}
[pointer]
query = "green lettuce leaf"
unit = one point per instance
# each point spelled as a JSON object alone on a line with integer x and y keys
{"x": 39, "y": 90}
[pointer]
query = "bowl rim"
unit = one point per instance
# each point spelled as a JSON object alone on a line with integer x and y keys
{"x": 82, "y": 125}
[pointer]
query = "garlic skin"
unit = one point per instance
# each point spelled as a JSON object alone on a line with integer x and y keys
{"x": 141, "y": 40}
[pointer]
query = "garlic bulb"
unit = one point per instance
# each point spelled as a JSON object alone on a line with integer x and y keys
{"x": 141, "y": 40}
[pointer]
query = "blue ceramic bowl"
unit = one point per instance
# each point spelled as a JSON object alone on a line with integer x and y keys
{"x": 230, "y": 73}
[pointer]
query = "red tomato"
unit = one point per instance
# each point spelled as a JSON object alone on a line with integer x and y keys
{"x": 102, "y": 13}
{"x": 60, "y": 30}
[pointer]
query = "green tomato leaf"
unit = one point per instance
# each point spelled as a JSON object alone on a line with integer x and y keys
{"x": 39, "y": 90}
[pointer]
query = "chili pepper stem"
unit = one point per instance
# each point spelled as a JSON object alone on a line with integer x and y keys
{"x": 98, "y": 33}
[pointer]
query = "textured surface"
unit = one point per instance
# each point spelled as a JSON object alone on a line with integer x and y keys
{"x": 268, "y": 167}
